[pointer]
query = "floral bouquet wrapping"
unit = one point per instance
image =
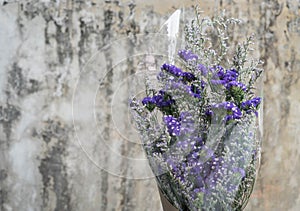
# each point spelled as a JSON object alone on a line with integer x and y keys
{"x": 199, "y": 125}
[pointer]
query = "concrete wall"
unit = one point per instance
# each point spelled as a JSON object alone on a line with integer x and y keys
{"x": 66, "y": 141}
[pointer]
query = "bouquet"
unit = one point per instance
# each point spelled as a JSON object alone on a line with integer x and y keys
{"x": 199, "y": 125}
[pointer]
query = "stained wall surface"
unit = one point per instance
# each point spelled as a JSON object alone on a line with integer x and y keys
{"x": 66, "y": 141}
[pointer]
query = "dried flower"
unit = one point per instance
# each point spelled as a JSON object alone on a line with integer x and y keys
{"x": 198, "y": 128}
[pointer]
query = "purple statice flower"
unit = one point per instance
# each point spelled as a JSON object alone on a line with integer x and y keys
{"x": 195, "y": 91}
{"x": 187, "y": 55}
{"x": 233, "y": 111}
{"x": 240, "y": 85}
{"x": 209, "y": 112}
{"x": 161, "y": 100}
{"x": 223, "y": 76}
{"x": 172, "y": 69}
{"x": 182, "y": 76}
{"x": 253, "y": 103}
{"x": 148, "y": 100}
{"x": 184, "y": 124}
{"x": 173, "y": 125}
{"x": 256, "y": 101}
{"x": 187, "y": 76}
{"x": 231, "y": 75}
{"x": 217, "y": 69}
{"x": 221, "y": 72}
{"x": 202, "y": 69}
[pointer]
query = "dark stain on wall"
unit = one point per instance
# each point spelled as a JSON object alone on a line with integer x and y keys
{"x": 3, "y": 191}
{"x": 108, "y": 22}
{"x": 8, "y": 115}
{"x": 3, "y": 198}
{"x": 33, "y": 86}
{"x": 16, "y": 79}
{"x": 19, "y": 84}
{"x": 30, "y": 9}
{"x": 106, "y": 36}
{"x": 63, "y": 38}
{"x": 53, "y": 167}
{"x": 121, "y": 18}
{"x": 3, "y": 174}
{"x": 86, "y": 30}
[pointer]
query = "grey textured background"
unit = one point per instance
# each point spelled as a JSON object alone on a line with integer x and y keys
{"x": 46, "y": 51}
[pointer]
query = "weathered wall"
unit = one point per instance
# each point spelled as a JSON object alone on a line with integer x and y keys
{"x": 46, "y": 123}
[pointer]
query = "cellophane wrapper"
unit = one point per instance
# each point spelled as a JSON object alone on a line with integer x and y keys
{"x": 199, "y": 124}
